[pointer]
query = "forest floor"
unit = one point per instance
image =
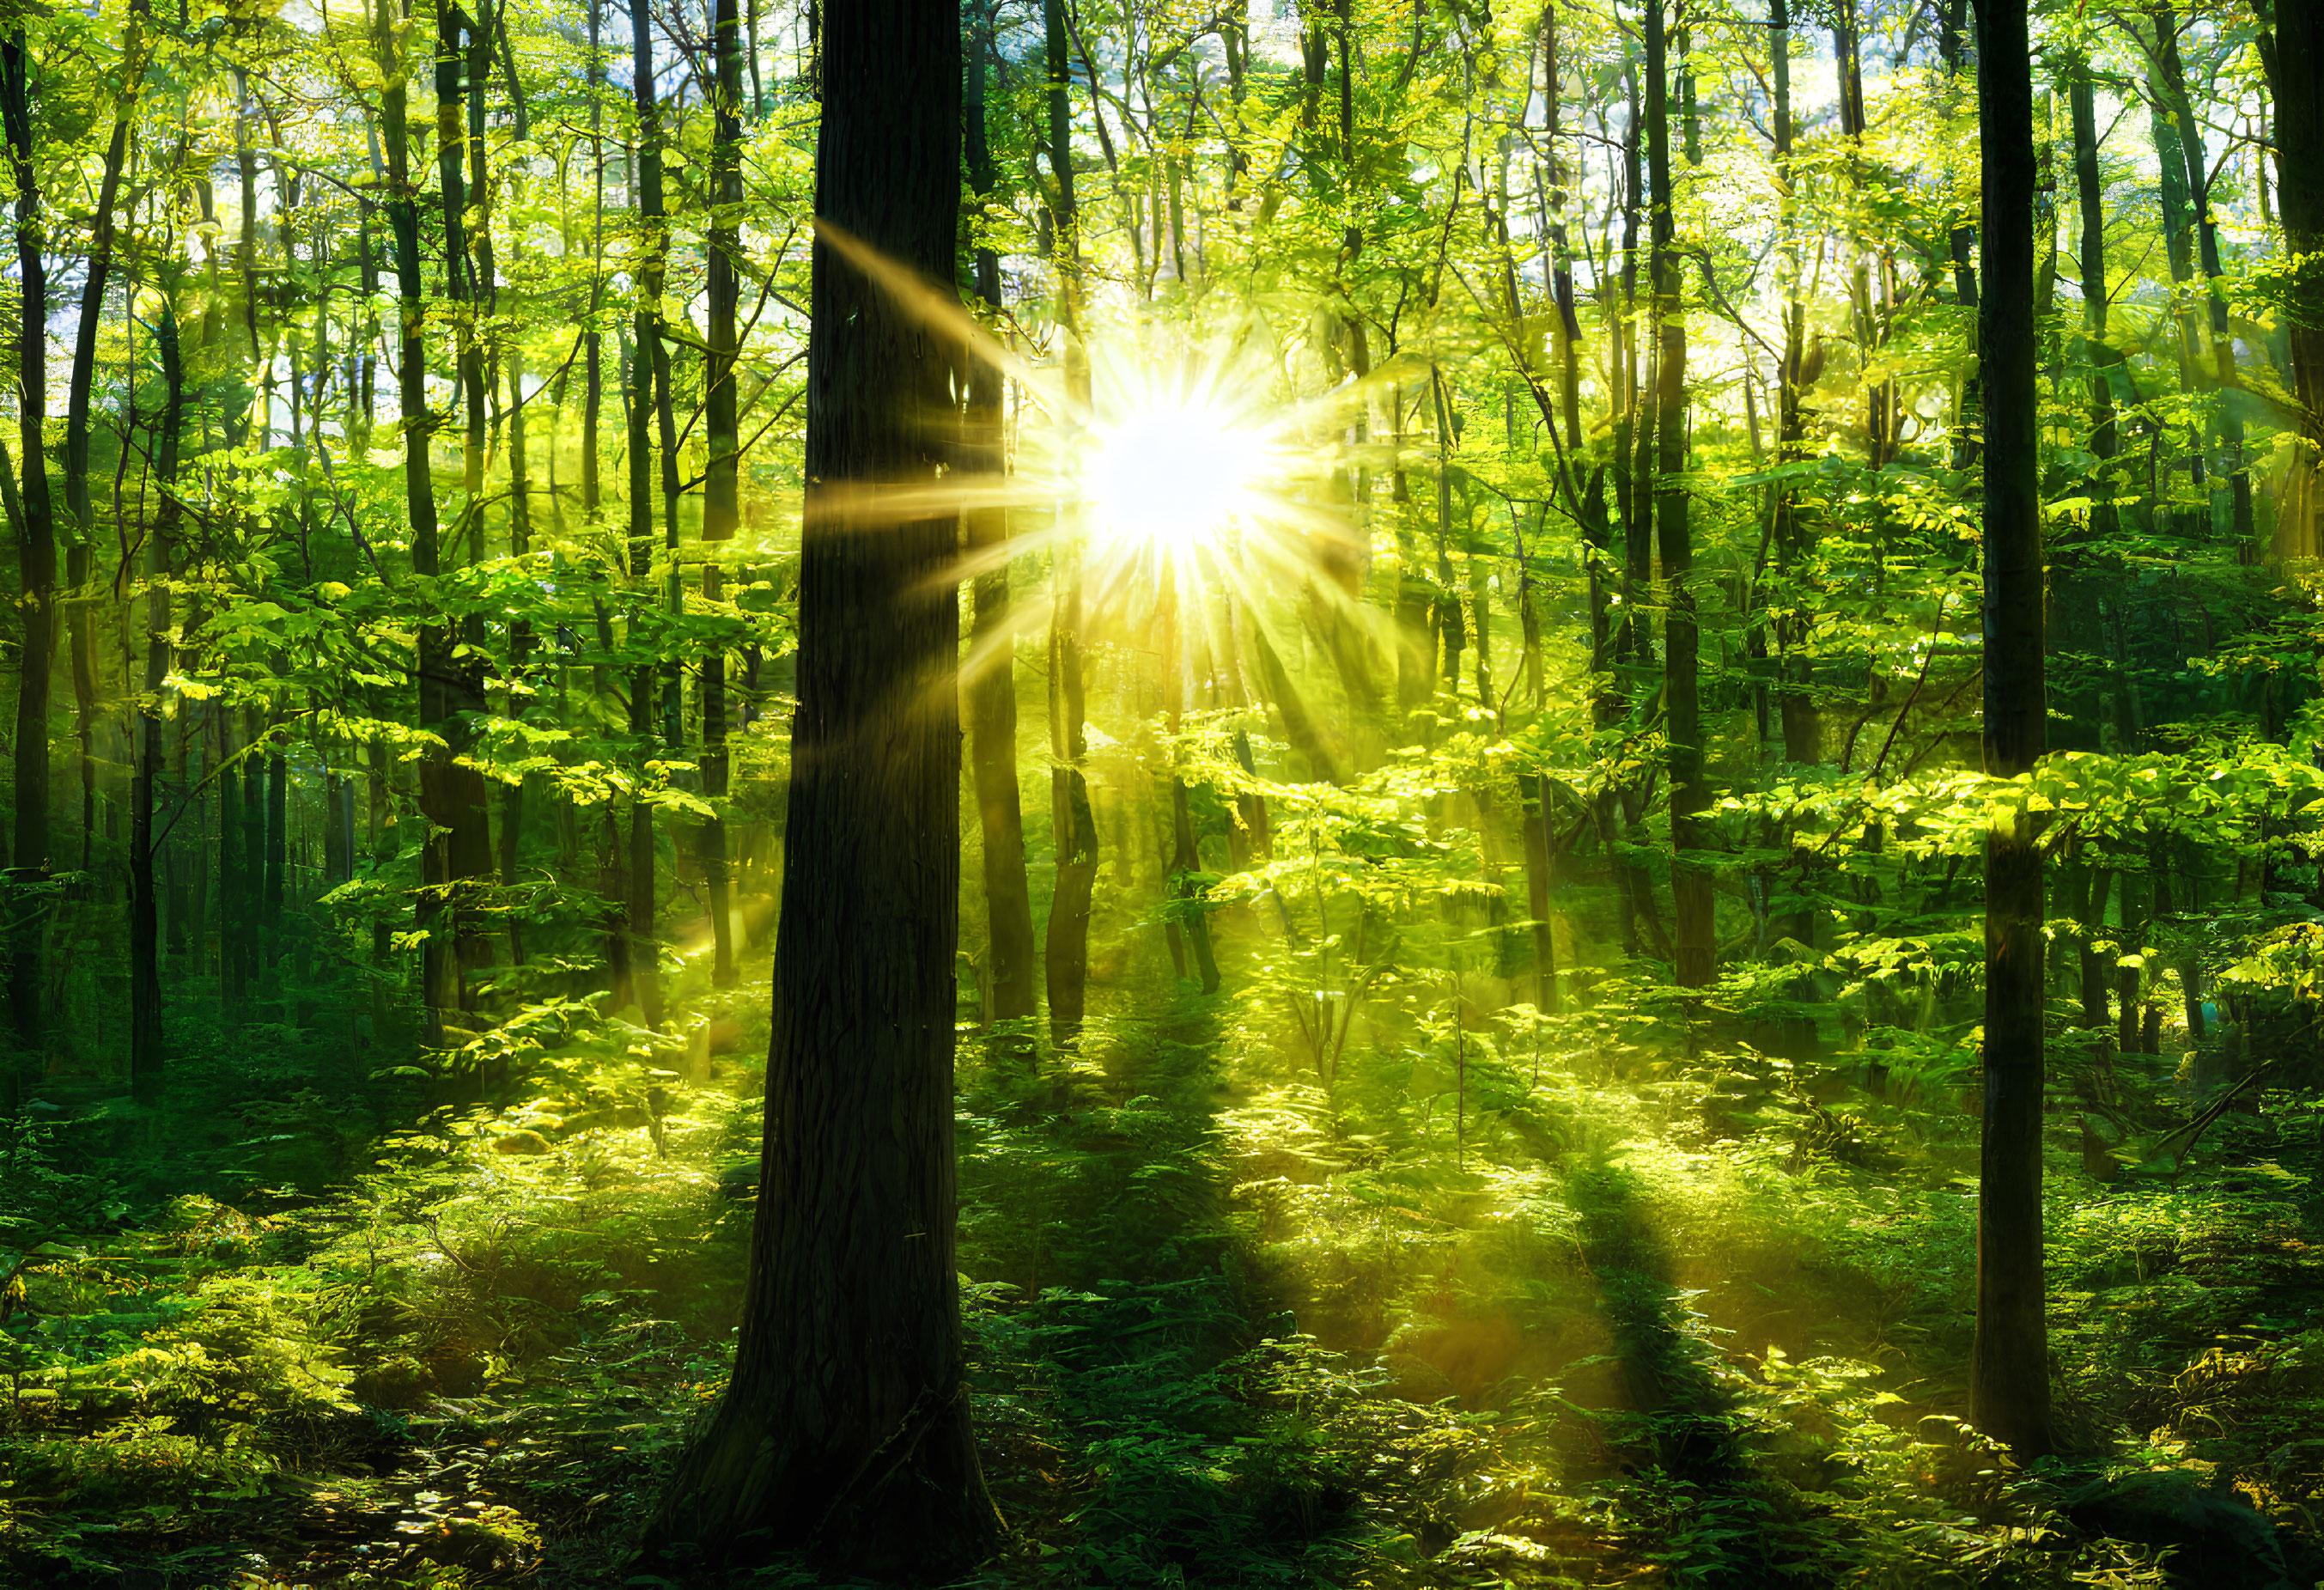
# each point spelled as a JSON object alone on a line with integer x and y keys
{"x": 1605, "y": 1316}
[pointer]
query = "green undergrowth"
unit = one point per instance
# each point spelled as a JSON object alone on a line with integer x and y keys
{"x": 1562, "y": 1310}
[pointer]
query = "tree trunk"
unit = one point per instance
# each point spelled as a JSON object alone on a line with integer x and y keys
{"x": 1690, "y": 793}
{"x": 844, "y": 1432}
{"x": 991, "y": 696}
{"x": 722, "y": 498}
{"x": 2292, "y": 48}
{"x": 519, "y": 642}
{"x": 77, "y": 558}
{"x": 37, "y": 561}
{"x": 646, "y": 680}
{"x": 2101, "y": 358}
{"x": 1065, "y": 950}
{"x": 146, "y": 1050}
{"x": 2009, "y": 1373}
{"x": 1801, "y": 720}
{"x": 440, "y": 983}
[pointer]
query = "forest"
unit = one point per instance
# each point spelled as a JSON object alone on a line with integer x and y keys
{"x": 1178, "y": 793}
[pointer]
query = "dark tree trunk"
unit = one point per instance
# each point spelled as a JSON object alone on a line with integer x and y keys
{"x": 1803, "y": 722}
{"x": 2292, "y": 48}
{"x": 146, "y": 1050}
{"x": 277, "y": 813}
{"x": 722, "y": 509}
{"x": 2009, "y": 1369}
{"x": 440, "y": 983}
{"x": 1690, "y": 794}
{"x": 2092, "y": 194}
{"x": 991, "y": 695}
{"x": 2171, "y": 83}
{"x": 519, "y": 642}
{"x": 646, "y": 361}
{"x": 1065, "y": 949}
{"x": 78, "y": 397}
{"x": 37, "y": 561}
{"x": 844, "y": 1432}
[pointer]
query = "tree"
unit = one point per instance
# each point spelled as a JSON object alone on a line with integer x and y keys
{"x": 37, "y": 559}
{"x": 991, "y": 692}
{"x": 1691, "y": 890}
{"x": 844, "y": 1432}
{"x": 2009, "y": 1366}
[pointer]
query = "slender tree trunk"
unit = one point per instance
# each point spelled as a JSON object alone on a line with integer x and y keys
{"x": 2092, "y": 194}
{"x": 37, "y": 563}
{"x": 1186, "y": 894}
{"x": 2009, "y": 1365}
{"x": 1072, "y": 822}
{"x": 78, "y": 554}
{"x": 520, "y": 641}
{"x": 2228, "y": 421}
{"x": 990, "y": 693}
{"x": 1803, "y": 722}
{"x": 278, "y": 840}
{"x": 146, "y": 1046}
{"x": 722, "y": 486}
{"x": 844, "y": 1431}
{"x": 646, "y": 356}
{"x": 1690, "y": 793}
{"x": 440, "y": 983}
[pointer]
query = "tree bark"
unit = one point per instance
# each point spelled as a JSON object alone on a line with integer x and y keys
{"x": 991, "y": 696}
{"x": 722, "y": 491}
{"x": 1065, "y": 950}
{"x": 1690, "y": 793}
{"x": 37, "y": 563}
{"x": 2082, "y": 107}
{"x": 2291, "y": 49}
{"x": 2009, "y": 1374}
{"x": 146, "y": 1048}
{"x": 441, "y": 986}
{"x": 844, "y": 1432}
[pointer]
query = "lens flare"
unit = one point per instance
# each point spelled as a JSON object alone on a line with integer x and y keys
{"x": 1172, "y": 476}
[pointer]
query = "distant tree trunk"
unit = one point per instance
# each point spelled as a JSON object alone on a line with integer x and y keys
{"x": 440, "y": 983}
{"x": 1952, "y": 41}
{"x": 2171, "y": 83}
{"x": 1801, "y": 721}
{"x": 722, "y": 499}
{"x": 278, "y": 839}
{"x": 520, "y": 641}
{"x": 647, "y": 369}
{"x": 146, "y": 1049}
{"x": 2092, "y": 194}
{"x": 1073, "y": 825}
{"x": 1192, "y": 917}
{"x": 1690, "y": 794}
{"x": 991, "y": 696}
{"x": 593, "y": 340}
{"x": 37, "y": 562}
{"x": 79, "y": 394}
{"x": 2009, "y": 1368}
{"x": 844, "y": 1431}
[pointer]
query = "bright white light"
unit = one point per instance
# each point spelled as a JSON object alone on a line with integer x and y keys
{"x": 1172, "y": 476}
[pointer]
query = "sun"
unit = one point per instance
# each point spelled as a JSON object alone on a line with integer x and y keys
{"x": 1172, "y": 476}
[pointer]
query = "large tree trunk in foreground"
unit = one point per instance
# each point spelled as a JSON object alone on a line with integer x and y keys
{"x": 37, "y": 557}
{"x": 845, "y": 1433}
{"x": 2009, "y": 1368}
